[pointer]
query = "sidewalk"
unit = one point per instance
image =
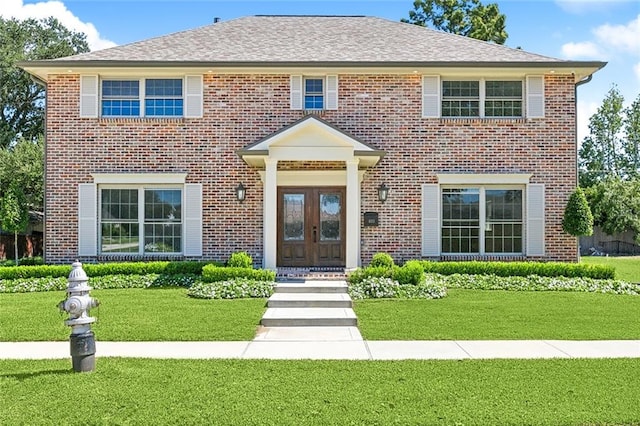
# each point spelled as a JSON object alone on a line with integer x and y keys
{"x": 348, "y": 349}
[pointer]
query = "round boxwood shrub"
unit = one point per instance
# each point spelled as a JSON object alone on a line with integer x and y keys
{"x": 382, "y": 260}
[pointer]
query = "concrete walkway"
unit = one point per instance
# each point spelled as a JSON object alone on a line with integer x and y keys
{"x": 277, "y": 346}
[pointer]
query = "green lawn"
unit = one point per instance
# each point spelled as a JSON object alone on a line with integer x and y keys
{"x": 627, "y": 267}
{"x": 132, "y": 315}
{"x": 168, "y": 314}
{"x": 495, "y": 314}
{"x": 261, "y": 392}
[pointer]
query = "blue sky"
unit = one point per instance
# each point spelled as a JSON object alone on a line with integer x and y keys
{"x": 568, "y": 29}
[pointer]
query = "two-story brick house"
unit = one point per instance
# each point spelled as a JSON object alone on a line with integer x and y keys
{"x": 283, "y": 135}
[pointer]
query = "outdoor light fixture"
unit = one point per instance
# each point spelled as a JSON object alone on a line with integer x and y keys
{"x": 383, "y": 192}
{"x": 241, "y": 192}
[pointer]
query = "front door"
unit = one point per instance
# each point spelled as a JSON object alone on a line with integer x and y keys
{"x": 311, "y": 226}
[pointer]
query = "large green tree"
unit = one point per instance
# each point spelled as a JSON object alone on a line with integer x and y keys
{"x": 631, "y": 141}
{"x": 21, "y": 99}
{"x": 22, "y": 164}
{"x": 14, "y": 215}
{"x": 469, "y": 18}
{"x": 615, "y": 204}
{"x": 600, "y": 156}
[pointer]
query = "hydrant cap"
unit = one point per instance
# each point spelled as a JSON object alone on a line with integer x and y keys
{"x": 77, "y": 273}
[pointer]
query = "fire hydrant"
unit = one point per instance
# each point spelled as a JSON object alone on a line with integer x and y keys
{"x": 77, "y": 305}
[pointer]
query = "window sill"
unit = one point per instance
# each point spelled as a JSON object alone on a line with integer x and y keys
{"x": 483, "y": 257}
{"x": 138, "y": 257}
{"x": 107, "y": 120}
{"x": 458, "y": 120}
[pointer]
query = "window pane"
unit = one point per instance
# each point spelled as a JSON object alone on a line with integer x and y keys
{"x": 162, "y": 238}
{"x": 293, "y": 217}
{"x": 330, "y": 207}
{"x": 119, "y": 205}
{"x": 119, "y": 237}
{"x": 461, "y": 220}
{"x": 313, "y": 86}
{"x": 313, "y": 93}
{"x": 162, "y": 205}
{"x": 503, "y": 99}
{"x": 503, "y": 221}
{"x": 120, "y": 89}
{"x": 165, "y": 88}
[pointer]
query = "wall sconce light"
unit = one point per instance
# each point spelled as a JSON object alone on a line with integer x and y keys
{"x": 241, "y": 192}
{"x": 383, "y": 192}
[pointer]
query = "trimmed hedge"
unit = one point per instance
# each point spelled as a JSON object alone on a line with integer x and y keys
{"x": 103, "y": 269}
{"x": 237, "y": 288}
{"x": 212, "y": 273}
{"x": 521, "y": 269}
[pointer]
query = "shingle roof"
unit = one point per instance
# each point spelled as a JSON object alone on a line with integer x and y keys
{"x": 312, "y": 39}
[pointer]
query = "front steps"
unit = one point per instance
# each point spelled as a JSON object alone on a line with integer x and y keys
{"x": 310, "y": 304}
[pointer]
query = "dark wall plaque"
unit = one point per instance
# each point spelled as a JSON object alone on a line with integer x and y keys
{"x": 371, "y": 219}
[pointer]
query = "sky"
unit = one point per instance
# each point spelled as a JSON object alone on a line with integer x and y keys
{"x": 600, "y": 30}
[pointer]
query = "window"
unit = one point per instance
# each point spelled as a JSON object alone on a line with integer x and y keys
{"x": 140, "y": 220}
{"x": 480, "y": 98}
{"x": 313, "y": 93}
{"x": 503, "y": 99}
{"x": 483, "y": 220}
{"x": 161, "y": 98}
{"x": 121, "y": 98}
{"x": 460, "y": 98}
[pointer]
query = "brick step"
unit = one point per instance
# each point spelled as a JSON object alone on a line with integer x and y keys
{"x": 309, "y": 300}
{"x": 309, "y": 317}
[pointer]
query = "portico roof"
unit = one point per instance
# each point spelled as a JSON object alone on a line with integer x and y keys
{"x": 310, "y": 138}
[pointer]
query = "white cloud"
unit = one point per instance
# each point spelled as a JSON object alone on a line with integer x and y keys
{"x": 636, "y": 70}
{"x": 622, "y": 37}
{"x": 17, "y": 9}
{"x": 585, "y": 49}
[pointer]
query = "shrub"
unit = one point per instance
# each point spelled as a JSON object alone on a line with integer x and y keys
{"x": 381, "y": 287}
{"x": 577, "y": 219}
{"x": 240, "y": 259}
{"x": 361, "y": 274}
{"x": 538, "y": 283}
{"x": 211, "y": 273}
{"x": 235, "y": 288}
{"x": 544, "y": 269}
{"x": 381, "y": 260}
{"x": 411, "y": 272}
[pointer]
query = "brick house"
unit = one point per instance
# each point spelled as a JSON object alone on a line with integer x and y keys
{"x": 309, "y": 141}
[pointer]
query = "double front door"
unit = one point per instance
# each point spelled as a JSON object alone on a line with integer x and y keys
{"x": 311, "y": 226}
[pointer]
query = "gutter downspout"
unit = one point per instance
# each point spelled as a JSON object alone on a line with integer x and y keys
{"x": 575, "y": 98}
{"x": 43, "y": 83}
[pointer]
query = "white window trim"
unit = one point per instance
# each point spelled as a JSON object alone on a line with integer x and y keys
{"x": 482, "y": 188}
{"x": 483, "y": 178}
{"x": 482, "y": 96}
{"x": 142, "y": 96}
{"x": 139, "y": 178}
{"x": 141, "y": 188}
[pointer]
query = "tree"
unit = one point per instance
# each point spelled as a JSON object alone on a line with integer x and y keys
{"x": 615, "y": 204}
{"x": 21, "y": 99}
{"x": 14, "y": 214}
{"x": 469, "y": 18}
{"x": 577, "y": 220}
{"x": 631, "y": 141}
{"x": 600, "y": 155}
{"x": 23, "y": 164}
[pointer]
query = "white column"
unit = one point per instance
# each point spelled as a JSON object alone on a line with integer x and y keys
{"x": 270, "y": 214}
{"x": 353, "y": 215}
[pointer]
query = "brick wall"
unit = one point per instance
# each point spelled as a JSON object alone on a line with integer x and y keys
{"x": 381, "y": 110}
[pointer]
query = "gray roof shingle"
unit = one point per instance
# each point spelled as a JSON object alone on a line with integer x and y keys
{"x": 311, "y": 39}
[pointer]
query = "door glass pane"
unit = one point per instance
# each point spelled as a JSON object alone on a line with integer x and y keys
{"x": 330, "y": 208}
{"x": 293, "y": 217}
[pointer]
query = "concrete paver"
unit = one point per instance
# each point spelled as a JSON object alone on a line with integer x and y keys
{"x": 306, "y": 334}
{"x": 286, "y": 346}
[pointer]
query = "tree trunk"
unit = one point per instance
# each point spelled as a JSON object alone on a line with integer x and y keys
{"x": 15, "y": 245}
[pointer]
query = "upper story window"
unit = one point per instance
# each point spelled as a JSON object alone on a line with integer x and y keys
{"x": 160, "y": 98}
{"x": 483, "y": 98}
{"x": 503, "y": 99}
{"x": 313, "y": 93}
{"x": 461, "y": 98}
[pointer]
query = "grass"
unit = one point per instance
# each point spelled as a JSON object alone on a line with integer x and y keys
{"x": 168, "y": 314}
{"x": 262, "y": 392}
{"x": 627, "y": 267}
{"x": 132, "y": 315}
{"x": 486, "y": 315}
